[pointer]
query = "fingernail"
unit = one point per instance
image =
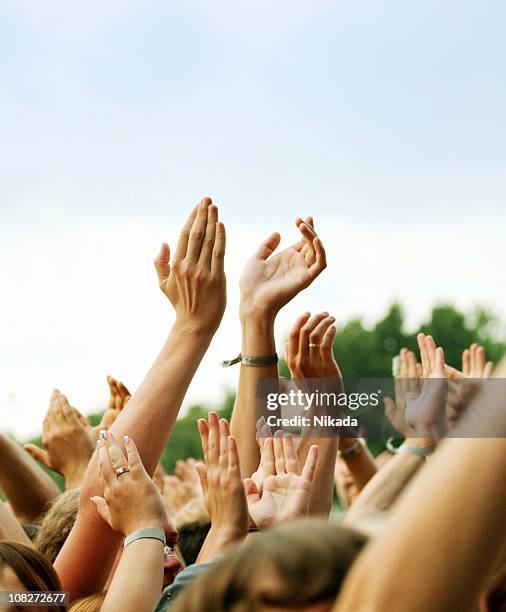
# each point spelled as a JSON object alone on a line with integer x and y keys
{"x": 102, "y": 434}
{"x": 126, "y": 440}
{"x": 98, "y": 442}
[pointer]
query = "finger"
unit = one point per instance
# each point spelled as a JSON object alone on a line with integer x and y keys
{"x": 184, "y": 236}
{"x": 224, "y": 434}
{"x": 327, "y": 342}
{"x": 267, "y": 456}
{"x": 198, "y": 232}
{"x": 208, "y": 243}
{"x": 310, "y": 466}
{"x": 403, "y": 363}
{"x": 220, "y": 244}
{"x": 102, "y": 508}
{"x": 279, "y": 455}
{"x": 309, "y": 235}
{"x": 424, "y": 354}
{"x": 234, "y": 467}
{"x": 466, "y": 362}
{"x": 268, "y": 246}
{"x": 431, "y": 349}
{"x": 315, "y": 337}
{"x": 439, "y": 363}
{"x": 472, "y": 350}
{"x": 82, "y": 419}
{"x": 69, "y": 414}
{"x": 293, "y": 341}
{"x": 411, "y": 358}
{"x": 291, "y": 461}
{"x": 116, "y": 456}
{"x": 213, "y": 440}
{"x": 306, "y": 331}
{"x": 251, "y": 490}
{"x": 320, "y": 262}
{"x": 39, "y": 454}
{"x": 106, "y": 471}
{"x": 204, "y": 437}
{"x": 202, "y": 472}
{"x": 134, "y": 460}
{"x": 162, "y": 266}
{"x": 124, "y": 392}
{"x": 480, "y": 360}
{"x": 487, "y": 370}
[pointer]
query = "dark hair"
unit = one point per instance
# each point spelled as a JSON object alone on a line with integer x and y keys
{"x": 31, "y": 567}
{"x": 297, "y": 564}
{"x": 190, "y": 540}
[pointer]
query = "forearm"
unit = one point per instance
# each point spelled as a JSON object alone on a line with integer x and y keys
{"x": 28, "y": 488}
{"x": 361, "y": 464}
{"x": 425, "y": 532}
{"x": 216, "y": 542}
{"x": 385, "y": 486}
{"x": 10, "y": 529}
{"x": 137, "y": 583}
{"x": 257, "y": 340}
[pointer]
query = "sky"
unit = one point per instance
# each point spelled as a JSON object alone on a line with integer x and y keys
{"x": 384, "y": 120}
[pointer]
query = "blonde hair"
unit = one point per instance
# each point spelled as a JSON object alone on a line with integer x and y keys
{"x": 56, "y": 524}
{"x": 92, "y": 603}
{"x": 297, "y": 564}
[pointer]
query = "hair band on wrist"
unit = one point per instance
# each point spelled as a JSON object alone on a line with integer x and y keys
{"x": 248, "y": 360}
{"x": 155, "y": 533}
{"x": 351, "y": 451}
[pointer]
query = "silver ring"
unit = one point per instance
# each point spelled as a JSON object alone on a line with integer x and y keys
{"x": 313, "y": 345}
{"x": 122, "y": 470}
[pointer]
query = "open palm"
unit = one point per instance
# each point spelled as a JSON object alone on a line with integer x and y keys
{"x": 269, "y": 281}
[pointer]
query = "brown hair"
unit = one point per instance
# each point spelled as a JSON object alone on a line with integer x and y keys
{"x": 56, "y": 524}
{"x": 92, "y": 603}
{"x": 297, "y": 564}
{"x": 32, "y": 569}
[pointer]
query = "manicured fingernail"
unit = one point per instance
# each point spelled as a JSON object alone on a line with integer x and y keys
{"x": 126, "y": 440}
{"x": 102, "y": 434}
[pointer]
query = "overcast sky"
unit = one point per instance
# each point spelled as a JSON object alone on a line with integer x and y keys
{"x": 385, "y": 120}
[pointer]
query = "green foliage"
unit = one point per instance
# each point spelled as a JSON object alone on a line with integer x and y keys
{"x": 361, "y": 353}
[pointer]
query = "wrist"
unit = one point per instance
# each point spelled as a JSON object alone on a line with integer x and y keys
{"x": 227, "y": 535}
{"x": 257, "y": 336}
{"x": 193, "y": 328}
{"x": 154, "y": 523}
{"x": 249, "y": 310}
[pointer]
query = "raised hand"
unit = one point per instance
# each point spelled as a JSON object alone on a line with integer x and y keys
{"x": 285, "y": 492}
{"x": 131, "y": 500}
{"x": 187, "y": 472}
{"x": 475, "y": 364}
{"x": 269, "y": 281}
{"x": 67, "y": 441}
{"x": 407, "y": 386}
{"x": 426, "y": 414}
{"x": 118, "y": 398}
{"x": 308, "y": 353}
{"x": 194, "y": 281}
{"x": 176, "y": 493}
{"x": 221, "y": 481}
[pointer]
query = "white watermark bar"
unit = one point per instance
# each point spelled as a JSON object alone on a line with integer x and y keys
{"x": 380, "y": 408}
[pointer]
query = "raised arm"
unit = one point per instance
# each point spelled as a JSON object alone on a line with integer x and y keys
{"x": 132, "y": 505}
{"x": 268, "y": 282}
{"x": 434, "y": 555}
{"x": 27, "y": 487}
{"x": 195, "y": 284}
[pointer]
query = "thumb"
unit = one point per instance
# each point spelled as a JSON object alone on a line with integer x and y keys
{"x": 39, "y": 454}
{"x": 251, "y": 490}
{"x": 102, "y": 508}
{"x": 268, "y": 246}
{"x": 162, "y": 263}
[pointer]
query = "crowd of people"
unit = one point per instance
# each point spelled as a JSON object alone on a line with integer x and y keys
{"x": 253, "y": 526}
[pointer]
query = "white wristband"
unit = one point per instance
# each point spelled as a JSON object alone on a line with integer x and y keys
{"x": 156, "y": 533}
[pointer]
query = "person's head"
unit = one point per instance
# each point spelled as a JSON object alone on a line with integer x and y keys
{"x": 92, "y": 603}
{"x": 192, "y": 524}
{"x": 299, "y": 566}
{"x": 24, "y": 569}
{"x": 57, "y": 523}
